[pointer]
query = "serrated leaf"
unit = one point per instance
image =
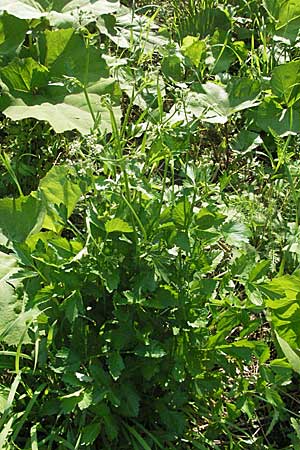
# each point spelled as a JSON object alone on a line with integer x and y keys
{"x": 259, "y": 270}
{"x": 13, "y": 321}
{"x": 130, "y": 401}
{"x": 86, "y": 401}
{"x": 115, "y": 364}
{"x": 236, "y": 233}
{"x": 90, "y": 433}
{"x": 151, "y": 350}
{"x": 284, "y": 307}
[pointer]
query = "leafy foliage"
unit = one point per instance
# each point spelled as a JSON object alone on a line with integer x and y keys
{"x": 149, "y": 225}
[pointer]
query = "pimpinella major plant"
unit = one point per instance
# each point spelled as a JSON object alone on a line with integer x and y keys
{"x": 138, "y": 310}
{"x": 131, "y": 331}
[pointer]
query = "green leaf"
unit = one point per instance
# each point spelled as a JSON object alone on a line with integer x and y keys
{"x": 64, "y": 112}
{"x": 21, "y": 217}
{"x": 271, "y": 115}
{"x": 175, "y": 421}
{"x": 95, "y": 7}
{"x": 217, "y": 103}
{"x": 57, "y": 188}
{"x": 13, "y": 323}
{"x": 69, "y": 402}
{"x": 163, "y": 297}
{"x": 290, "y": 354}
{"x": 130, "y": 400}
{"x": 118, "y": 225}
{"x": 194, "y": 49}
{"x": 43, "y": 91}
{"x": 86, "y": 401}
{"x": 24, "y": 75}
{"x": 236, "y": 233}
{"x": 284, "y": 307}
{"x": 172, "y": 67}
{"x": 181, "y": 213}
{"x": 152, "y": 350}
{"x": 12, "y": 34}
{"x": 73, "y": 306}
{"x": 90, "y": 433}
{"x": 285, "y": 82}
{"x": 205, "y": 219}
{"x": 259, "y": 270}
{"x": 35, "y": 9}
{"x": 66, "y": 55}
{"x": 23, "y": 9}
{"x": 129, "y": 28}
{"x": 287, "y": 16}
{"x": 4, "y": 393}
{"x": 71, "y": 114}
{"x": 203, "y": 22}
{"x": 246, "y": 141}
{"x": 115, "y": 364}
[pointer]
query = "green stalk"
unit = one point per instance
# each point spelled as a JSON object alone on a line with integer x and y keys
{"x": 87, "y": 64}
{"x": 136, "y": 217}
{"x": 6, "y": 162}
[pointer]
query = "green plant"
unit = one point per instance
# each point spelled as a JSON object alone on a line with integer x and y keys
{"x": 149, "y": 244}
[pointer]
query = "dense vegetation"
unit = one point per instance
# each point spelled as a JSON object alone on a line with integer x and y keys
{"x": 149, "y": 225}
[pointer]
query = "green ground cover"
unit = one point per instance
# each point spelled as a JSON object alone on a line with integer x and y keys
{"x": 149, "y": 225}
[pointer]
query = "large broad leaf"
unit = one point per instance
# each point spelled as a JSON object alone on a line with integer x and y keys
{"x": 284, "y": 307}
{"x": 97, "y": 7}
{"x": 24, "y": 9}
{"x": 124, "y": 28}
{"x": 271, "y": 115}
{"x": 287, "y": 16}
{"x": 70, "y": 114}
{"x": 216, "y": 103}
{"x": 12, "y": 320}
{"x": 285, "y": 82}
{"x": 34, "y": 90}
{"x": 20, "y": 217}
{"x": 24, "y": 75}
{"x": 65, "y": 54}
{"x": 35, "y": 9}
{"x": 12, "y": 34}
{"x": 58, "y": 189}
